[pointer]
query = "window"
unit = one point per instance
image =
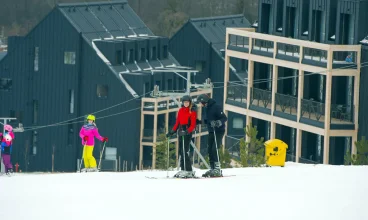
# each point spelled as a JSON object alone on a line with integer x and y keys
{"x": 6, "y": 84}
{"x": 110, "y": 153}
{"x": 200, "y": 65}
{"x": 170, "y": 84}
{"x": 243, "y": 66}
{"x": 153, "y": 53}
{"x": 166, "y": 52}
{"x": 102, "y": 91}
{"x": 35, "y": 111}
{"x": 71, "y": 101}
{"x": 36, "y": 58}
{"x": 238, "y": 123}
{"x": 143, "y": 54}
{"x": 279, "y": 16}
{"x": 130, "y": 57}
{"x": 69, "y": 58}
{"x": 118, "y": 57}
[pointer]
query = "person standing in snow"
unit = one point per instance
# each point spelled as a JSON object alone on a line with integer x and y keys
{"x": 6, "y": 148}
{"x": 88, "y": 133}
{"x": 184, "y": 126}
{"x": 215, "y": 120}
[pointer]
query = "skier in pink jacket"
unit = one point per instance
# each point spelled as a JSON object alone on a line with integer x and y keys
{"x": 88, "y": 133}
{"x": 6, "y": 148}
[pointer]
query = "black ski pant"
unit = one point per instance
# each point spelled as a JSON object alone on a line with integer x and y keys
{"x": 184, "y": 156}
{"x": 211, "y": 147}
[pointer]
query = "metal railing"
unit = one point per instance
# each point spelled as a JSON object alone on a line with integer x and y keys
{"x": 315, "y": 54}
{"x": 312, "y": 109}
{"x": 237, "y": 91}
{"x": 263, "y": 45}
{"x": 239, "y": 41}
{"x": 288, "y": 50}
{"x": 260, "y": 97}
{"x": 342, "y": 112}
{"x": 288, "y": 104}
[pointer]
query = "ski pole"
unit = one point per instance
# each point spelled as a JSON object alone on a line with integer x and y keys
{"x": 195, "y": 142}
{"x": 218, "y": 158}
{"x": 185, "y": 168}
{"x": 168, "y": 158}
{"x": 99, "y": 162}
{"x": 80, "y": 164}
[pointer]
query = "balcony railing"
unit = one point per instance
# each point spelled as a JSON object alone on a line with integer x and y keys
{"x": 286, "y": 104}
{"x": 313, "y": 110}
{"x": 288, "y": 52}
{"x": 314, "y": 53}
{"x": 238, "y": 43}
{"x": 237, "y": 92}
{"x": 345, "y": 59}
{"x": 261, "y": 98}
{"x": 342, "y": 113}
{"x": 263, "y": 47}
{"x": 316, "y": 57}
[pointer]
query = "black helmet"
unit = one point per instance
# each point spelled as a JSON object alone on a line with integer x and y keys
{"x": 203, "y": 98}
{"x": 186, "y": 98}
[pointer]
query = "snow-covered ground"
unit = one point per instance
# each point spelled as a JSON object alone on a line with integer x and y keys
{"x": 297, "y": 192}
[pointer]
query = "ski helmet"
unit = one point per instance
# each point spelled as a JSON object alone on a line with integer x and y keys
{"x": 91, "y": 117}
{"x": 8, "y": 127}
{"x": 186, "y": 98}
{"x": 203, "y": 98}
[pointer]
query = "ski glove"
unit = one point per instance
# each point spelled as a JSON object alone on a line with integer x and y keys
{"x": 199, "y": 122}
{"x": 217, "y": 123}
{"x": 105, "y": 139}
{"x": 171, "y": 133}
{"x": 85, "y": 138}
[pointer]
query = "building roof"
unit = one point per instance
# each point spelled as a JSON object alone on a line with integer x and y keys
{"x": 104, "y": 20}
{"x": 113, "y": 21}
{"x": 213, "y": 29}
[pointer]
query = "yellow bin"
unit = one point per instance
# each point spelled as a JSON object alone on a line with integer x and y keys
{"x": 275, "y": 152}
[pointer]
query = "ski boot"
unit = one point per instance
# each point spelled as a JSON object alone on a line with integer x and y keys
{"x": 184, "y": 174}
{"x": 92, "y": 169}
{"x": 9, "y": 172}
{"x": 84, "y": 170}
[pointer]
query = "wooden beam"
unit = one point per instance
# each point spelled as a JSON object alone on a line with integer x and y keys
{"x": 154, "y": 138}
{"x": 298, "y": 153}
{"x": 326, "y": 150}
{"x": 275, "y": 75}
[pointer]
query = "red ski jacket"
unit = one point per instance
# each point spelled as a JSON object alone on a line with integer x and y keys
{"x": 186, "y": 118}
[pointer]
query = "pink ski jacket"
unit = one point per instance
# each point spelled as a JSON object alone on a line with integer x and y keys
{"x": 91, "y": 132}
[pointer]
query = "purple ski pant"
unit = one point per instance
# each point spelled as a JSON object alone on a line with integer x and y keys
{"x": 7, "y": 162}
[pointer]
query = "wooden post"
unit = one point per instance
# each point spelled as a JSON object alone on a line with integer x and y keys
{"x": 274, "y": 91}
{"x": 141, "y": 136}
{"x": 356, "y": 103}
{"x": 326, "y": 150}
{"x": 154, "y": 136}
{"x": 249, "y": 87}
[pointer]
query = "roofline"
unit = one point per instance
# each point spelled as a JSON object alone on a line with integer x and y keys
{"x": 92, "y": 3}
{"x": 217, "y": 18}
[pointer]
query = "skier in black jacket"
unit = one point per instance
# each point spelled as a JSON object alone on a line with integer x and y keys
{"x": 215, "y": 120}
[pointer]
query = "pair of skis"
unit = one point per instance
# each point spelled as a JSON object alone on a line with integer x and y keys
{"x": 196, "y": 177}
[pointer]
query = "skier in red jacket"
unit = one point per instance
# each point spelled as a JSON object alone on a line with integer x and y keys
{"x": 184, "y": 126}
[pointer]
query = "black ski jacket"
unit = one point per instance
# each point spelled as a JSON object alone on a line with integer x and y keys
{"x": 213, "y": 112}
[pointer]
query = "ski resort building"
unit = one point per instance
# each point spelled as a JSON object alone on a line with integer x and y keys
{"x": 96, "y": 58}
{"x": 307, "y": 76}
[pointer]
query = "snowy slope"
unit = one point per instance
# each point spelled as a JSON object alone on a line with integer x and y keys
{"x": 300, "y": 192}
